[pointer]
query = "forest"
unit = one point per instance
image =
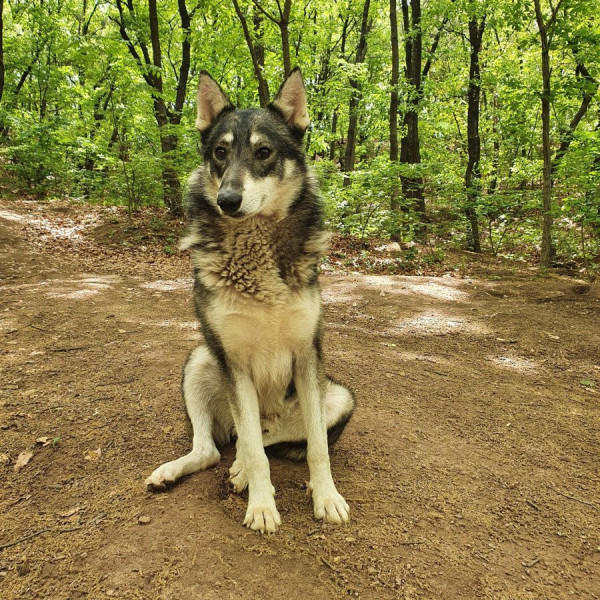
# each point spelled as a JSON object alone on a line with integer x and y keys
{"x": 456, "y": 124}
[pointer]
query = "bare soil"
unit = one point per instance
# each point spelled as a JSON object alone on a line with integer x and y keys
{"x": 471, "y": 465}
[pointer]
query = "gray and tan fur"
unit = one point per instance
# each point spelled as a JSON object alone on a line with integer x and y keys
{"x": 256, "y": 235}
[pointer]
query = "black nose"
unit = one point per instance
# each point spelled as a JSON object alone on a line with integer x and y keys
{"x": 229, "y": 201}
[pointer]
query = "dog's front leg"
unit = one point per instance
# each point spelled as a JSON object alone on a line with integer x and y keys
{"x": 329, "y": 505}
{"x": 262, "y": 513}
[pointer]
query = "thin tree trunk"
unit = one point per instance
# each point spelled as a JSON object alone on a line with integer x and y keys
{"x": 285, "y": 36}
{"x": 361, "y": 53}
{"x": 473, "y": 173}
{"x": 263, "y": 87}
{"x": 168, "y": 140}
{"x": 333, "y": 144}
{"x": 589, "y": 196}
{"x": 589, "y": 89}
{"x": 410, "y": 150}
{"x": 415, "y": 74}
{"x": 393, "y": 114}
{"x": 1, "y": 49}
{"x": 544, "y": 28}
{"x": 256, "y": 55}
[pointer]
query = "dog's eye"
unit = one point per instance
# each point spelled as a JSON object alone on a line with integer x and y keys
{"x": 220, "y": 153}
{"x": 263, "y": 153}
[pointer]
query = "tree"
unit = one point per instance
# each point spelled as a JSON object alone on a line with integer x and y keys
{"x": 415, "y": 74}
{"x": 282, "y": 20}
{"x": 355, "y": 95}
{"x": 1, "y": 49}
{"x": 256, "y": 54}
{"x": 393, "y": 114}
{"x": 151, "y": 69}
{"x": 473, "y": 172}
{"x": 546, "y": 32}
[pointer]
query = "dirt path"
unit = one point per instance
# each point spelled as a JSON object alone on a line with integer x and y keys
{"x": 471, "y": 466}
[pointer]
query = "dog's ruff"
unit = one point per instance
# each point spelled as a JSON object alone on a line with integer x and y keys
{"x": 256, "y": 236}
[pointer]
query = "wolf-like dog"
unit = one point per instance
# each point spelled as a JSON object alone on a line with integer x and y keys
{"x": 256, "y": 236}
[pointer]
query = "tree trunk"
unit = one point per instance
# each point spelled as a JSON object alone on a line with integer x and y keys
{"x": 361, "y": 53}
{"x": 410, "y": 150}
{"x": 263, "y": 88}
{"x": 473, "y": 173}
{"x": 589, "y": 89}
{"x": 333, "y": 144}
{"x": 168, "y": 140}
{"x": 393, "y": 114}
{"x": 546, "y": 252}
{"x": 1, "y": 49}
{"x": 285, "y": 36}
{"x": 257, "y": 56}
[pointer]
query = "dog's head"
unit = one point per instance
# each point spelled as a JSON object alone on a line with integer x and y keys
{"x": 253, "y": 158}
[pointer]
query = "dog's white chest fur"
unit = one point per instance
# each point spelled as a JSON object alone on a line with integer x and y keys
{"x": 260, "y": 338}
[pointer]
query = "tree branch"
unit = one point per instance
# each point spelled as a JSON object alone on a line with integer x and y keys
{"x": 264, "y": 12}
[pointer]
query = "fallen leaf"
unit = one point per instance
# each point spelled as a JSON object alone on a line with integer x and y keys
{"x": 70, "y": 513}
{"x": 23, "y": 459}
{"x": 45, "y": 440}
{"x": 93, "y": 454}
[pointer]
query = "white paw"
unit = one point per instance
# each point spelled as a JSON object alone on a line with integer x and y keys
{"x": 163, "y": 477}
{"x": 263, "y": 517}
{"x": 331, "y": 507}
{"x": 168, "y": 473}
{"x": 238, "y": 477}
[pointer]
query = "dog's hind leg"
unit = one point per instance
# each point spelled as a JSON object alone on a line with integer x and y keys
{"x": 286, "y": 437}
{"x": 201, "y": 387}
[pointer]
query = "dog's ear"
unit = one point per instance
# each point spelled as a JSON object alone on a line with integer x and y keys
{"x": 291, "y": 101}
{"x": 211, "y": 101}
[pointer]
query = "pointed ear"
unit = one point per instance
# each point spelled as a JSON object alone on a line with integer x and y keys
{"x": 291, "y": 101}
{"x": 211, "y": 101}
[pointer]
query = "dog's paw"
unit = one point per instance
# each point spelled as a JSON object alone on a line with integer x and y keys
{"x": 167, "y": 474}
{"x": 263, "y": 518}
{"x": 331, "y": 507}
{"x": 163, "y": 477}
{"x": 238, "y": 477}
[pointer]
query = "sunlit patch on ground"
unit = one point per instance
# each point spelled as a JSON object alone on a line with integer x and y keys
{"x": 437, "y": 323}
{"x": 167, "y": 285}
{"x": 74, "y": 295}
{"x": 182, "y": 325}
{"x": 414, "y": 356}
{"x": 58, "y": 228}
{"x": 78, "y": 289}
{"x": 514, "y": 363}
{"x": 438, "y": 289}
{"x": 11, "y": 216}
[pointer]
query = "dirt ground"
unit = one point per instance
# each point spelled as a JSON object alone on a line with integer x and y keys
{"x": 471, "y": 465}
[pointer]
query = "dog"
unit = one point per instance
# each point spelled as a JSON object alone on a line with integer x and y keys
{"x": 256, "y": 235}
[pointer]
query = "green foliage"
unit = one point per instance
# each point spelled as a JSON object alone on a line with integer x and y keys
{"x": 77, "y": 114}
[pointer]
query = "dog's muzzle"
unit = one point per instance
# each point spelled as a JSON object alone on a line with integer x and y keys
{"x": 229, "y": 201}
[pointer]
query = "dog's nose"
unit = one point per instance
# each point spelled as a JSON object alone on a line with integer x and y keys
{"x": 229, "y": 201}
